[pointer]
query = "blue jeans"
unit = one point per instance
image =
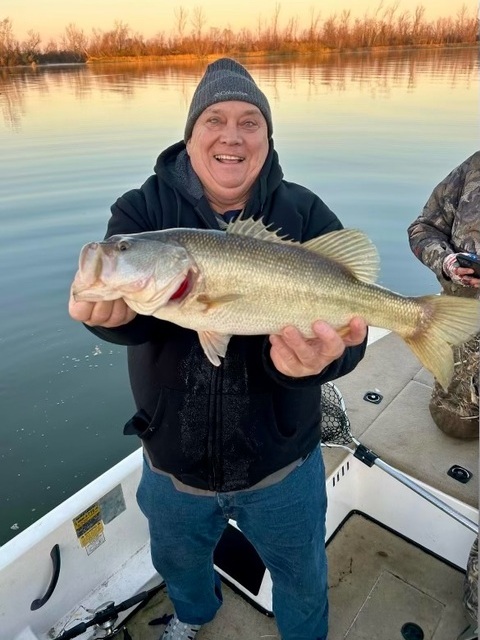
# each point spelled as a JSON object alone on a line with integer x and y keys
{"x": 285, "y": 523}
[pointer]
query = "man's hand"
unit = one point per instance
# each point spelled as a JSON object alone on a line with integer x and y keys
{"x": 296, "y": 356}
{"x": 109, "y": 313}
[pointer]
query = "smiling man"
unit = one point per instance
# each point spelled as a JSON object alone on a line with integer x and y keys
{"x": 227, "y": 149}
{"x": 227, "y": 134}
{"x": 240, "y": 440}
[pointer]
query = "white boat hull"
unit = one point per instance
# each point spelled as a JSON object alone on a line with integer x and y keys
{"x": 115, "y": 563}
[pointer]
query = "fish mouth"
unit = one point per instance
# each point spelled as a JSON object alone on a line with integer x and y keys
{"x": 90, "y": 263}
{"x": 228, "y": 159}
{"x": 88, "y": 277}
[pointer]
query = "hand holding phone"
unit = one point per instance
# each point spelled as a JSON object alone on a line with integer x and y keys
{"x": 470, "y": 261}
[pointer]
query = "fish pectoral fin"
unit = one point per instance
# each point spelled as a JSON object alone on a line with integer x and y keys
{"x": 214, "y": 344}
{"x": 351, "y": 248}
{"x": 213, "y": 303}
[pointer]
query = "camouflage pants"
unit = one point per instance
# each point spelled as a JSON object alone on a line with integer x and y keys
{"x": 470, "y": 597}
{"x": 456, "y": 411}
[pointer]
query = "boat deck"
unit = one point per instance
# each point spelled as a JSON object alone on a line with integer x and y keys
{"x": 379, "y": 582}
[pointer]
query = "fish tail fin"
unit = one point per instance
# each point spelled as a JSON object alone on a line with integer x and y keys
{"x": 451, "y": 321}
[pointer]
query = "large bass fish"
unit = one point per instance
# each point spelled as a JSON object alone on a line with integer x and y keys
{"x": 249, "y": 280}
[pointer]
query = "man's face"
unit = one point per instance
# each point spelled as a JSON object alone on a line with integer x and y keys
{"x": 227, "y": 149}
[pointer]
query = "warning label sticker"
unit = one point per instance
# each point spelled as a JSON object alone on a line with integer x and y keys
{"x": 89, "y": 528}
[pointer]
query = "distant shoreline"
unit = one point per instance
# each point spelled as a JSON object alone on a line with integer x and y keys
{"x": 186, "y": 58}
{"x": 241, "y": 55}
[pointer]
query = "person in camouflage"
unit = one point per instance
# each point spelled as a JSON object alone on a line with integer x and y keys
{"x": 450, "y": 225}
{"x": 470, "y": 593}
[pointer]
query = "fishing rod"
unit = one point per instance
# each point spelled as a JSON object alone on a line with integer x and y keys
{"x": 106, "y": 617}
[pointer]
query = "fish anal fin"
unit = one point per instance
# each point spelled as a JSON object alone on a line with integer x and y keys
{"x": 351, "y": 248}
{"x": 214, "y": 345}
{"x": 435, "y": 354}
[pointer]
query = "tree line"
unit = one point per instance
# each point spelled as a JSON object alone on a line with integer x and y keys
{"x": 387, "y": 27}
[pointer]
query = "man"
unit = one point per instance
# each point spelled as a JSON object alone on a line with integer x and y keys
{"x": 240, "y": 440}
{"x": 448, "y": 227}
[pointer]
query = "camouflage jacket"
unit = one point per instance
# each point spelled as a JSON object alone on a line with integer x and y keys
{"x": 450, "y": 222}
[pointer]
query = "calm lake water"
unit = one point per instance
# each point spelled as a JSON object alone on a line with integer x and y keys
{"x": 371, "y": 134}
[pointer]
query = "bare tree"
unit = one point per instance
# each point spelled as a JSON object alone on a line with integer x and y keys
{"x": 313, "y": 33}
{"x": 198, "y": 22}
{"x": 417, "y": 22}
{"x": 29, "y": 47}
{"x": 181, "y": 17}
{"x": 51, "y": 47}
{"x": 9, "y": 47}
{"x": 276, "y": 16}
{"x": 290, "y": 31}
{"x": 74, "y": 39}
{"x": 120, "y": 36}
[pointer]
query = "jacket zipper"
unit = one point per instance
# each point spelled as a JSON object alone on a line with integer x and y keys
{"x": 215, "y": 430}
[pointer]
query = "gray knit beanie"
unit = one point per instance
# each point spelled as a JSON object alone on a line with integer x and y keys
{"x": 225, "y": 79}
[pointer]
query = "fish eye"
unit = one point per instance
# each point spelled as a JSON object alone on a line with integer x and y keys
{"x": 123, "y": 245}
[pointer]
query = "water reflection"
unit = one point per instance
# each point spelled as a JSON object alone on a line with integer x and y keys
{"x": 376, "y": 72}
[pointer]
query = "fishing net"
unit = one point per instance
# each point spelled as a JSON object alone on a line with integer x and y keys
{"x": 335, "y": 422}
{"x": 336, "y": 433}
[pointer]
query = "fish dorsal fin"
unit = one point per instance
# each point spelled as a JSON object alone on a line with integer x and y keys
{"x": 352, "y": 249}
{"x": 255, "y": 229}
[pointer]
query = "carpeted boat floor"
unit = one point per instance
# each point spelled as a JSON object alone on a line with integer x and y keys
{"x": 381, "y": 586}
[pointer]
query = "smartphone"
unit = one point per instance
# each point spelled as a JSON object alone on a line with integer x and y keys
{"x": 470, "y": 260}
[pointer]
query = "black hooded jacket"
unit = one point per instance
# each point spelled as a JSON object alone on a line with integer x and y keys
{"x": 218, "y": 428}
